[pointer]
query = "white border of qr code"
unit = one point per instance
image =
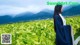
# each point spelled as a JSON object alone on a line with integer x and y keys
{"x": 10, "y": 38}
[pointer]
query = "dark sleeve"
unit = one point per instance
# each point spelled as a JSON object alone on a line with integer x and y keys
{"x": 67, "y": 32}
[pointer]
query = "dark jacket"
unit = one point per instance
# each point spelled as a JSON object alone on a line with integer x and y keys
{"x": 63, "y": 32}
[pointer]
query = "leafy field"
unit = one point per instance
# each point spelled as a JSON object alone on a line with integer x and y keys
{"x": 39, "y": 32}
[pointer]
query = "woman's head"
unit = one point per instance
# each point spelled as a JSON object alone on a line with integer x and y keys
{"x": 58, "y": 9}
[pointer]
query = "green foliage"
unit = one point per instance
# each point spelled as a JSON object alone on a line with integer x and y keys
{"x": 39, "y": 32}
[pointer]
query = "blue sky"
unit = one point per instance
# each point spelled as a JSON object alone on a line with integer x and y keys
{"x": 18, "y": 6}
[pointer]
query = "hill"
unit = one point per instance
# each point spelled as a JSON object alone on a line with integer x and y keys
{"x": 44, "y": 14}
{"x": 73, "y": 10}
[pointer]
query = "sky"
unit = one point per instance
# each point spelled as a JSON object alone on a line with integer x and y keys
{"x": 14, "y": 7}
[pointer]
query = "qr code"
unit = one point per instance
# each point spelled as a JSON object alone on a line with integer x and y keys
{"x": 6, "y": 39}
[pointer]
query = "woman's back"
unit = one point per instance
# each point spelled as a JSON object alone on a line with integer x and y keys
{"x": 63, "y": 31}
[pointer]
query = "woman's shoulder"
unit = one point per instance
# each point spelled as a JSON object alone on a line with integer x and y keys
{"x": 56, "y": 16}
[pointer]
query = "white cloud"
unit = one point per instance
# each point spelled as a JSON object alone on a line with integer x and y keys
{"x": 19, "y": 6}
{"x": 6, "y": 9}
{"x": 10, "y": 10}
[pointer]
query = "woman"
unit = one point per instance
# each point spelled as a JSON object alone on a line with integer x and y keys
{"x": 63, "y": 31}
